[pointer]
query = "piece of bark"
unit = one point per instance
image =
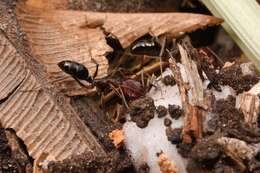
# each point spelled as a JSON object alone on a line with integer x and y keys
{"x": 127, "y": 27}
{"x": 249, "y": 103}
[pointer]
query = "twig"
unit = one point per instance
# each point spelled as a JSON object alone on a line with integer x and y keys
{"x": 146, "y": 70}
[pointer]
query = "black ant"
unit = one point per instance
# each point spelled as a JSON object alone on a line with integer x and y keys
{"x": 78, "y": 71}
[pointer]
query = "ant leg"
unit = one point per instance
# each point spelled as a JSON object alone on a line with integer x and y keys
{"x": 81, "y": 84}
{"x": 120, "y": 94}
{"x": 96, "y": 72}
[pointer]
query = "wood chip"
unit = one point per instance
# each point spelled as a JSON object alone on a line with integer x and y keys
{"x": 34, "y": 115}
{"x": 117, "y": 137}
{"x": 249, "y": 103}
{"x": 195, "y": 82}
{"x": 166, "y": 165}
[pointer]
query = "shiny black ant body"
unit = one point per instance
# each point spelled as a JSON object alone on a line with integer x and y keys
{"x": 78, "y": 71}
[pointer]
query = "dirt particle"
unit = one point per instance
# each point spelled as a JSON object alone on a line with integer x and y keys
{"x": 167, "y": 122}
{"x": 175, "y": 111}
{"x": 169, "y": 80}
{"x": 144, "y": 168}
{"x": 174, "y": 135}
{"x": 161, "y": 111}
{"x": 207, "y": 152}
{"x": 234, "y": 77}
{"x": 184, "y": 149}
{"x": 142, "y": 111}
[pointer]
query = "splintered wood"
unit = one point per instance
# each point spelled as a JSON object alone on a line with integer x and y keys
{"x": 34, "y": 116}
{"x": 249, "y": 103}
{"x": 192, "y": 113}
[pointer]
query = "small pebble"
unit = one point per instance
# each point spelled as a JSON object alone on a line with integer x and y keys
{"x": 167, "y": 122}
{"x": 161, "y": 111}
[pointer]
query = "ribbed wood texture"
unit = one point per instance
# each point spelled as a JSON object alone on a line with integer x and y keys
{"x": 33, "y": 114}
{"x": 54, "y": 38}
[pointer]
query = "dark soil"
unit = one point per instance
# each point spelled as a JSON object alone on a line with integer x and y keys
{"x": 230, "y": 121}
{"x": 233, "y": 77}
{"x": 161, "y": 111}
{"x": 125, "y": 5}
{"x": 167, "y": 122}
{"x": 207, "y": 152}
{"x": 142, "y": 111}
{"x": 13, "y": 161}
{"x": 174, "y": 135}
{"x": 175, "y": 111}
{"x": 169, "y": 80}
{"x": 89, "y": 163}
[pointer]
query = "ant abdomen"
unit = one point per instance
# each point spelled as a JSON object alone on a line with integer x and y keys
{"x": 75, "y": 69}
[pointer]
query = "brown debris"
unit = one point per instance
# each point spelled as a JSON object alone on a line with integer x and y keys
{"x": 234, "y": 77}
{"x": 249, "y": 104}
{"x": 192, "y": 113}
{"x": 117, "y": 137}
{"x": 167, "y": 122}
{"x": 142, "y": 111}
{"x": 173, "y": 135}
{"x": 161, "y": 111}
{"x": 169, "y": 80}
{"x": 166, "y": 165}
{"x": 237, "y": 150}
{"x": 175, "y": 111}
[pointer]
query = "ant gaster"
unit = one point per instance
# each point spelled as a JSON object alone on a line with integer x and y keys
{"x": 77, "y": 71}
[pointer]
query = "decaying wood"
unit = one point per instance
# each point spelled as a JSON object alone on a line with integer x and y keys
{"x": 249, "y": 103}
{"x": 238, "y": 150}
{"x": 193, "y": 77}
{"x": 192, "y": 112}
{"x": 166, "y": 165}
{"x": 34, "y": 115}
